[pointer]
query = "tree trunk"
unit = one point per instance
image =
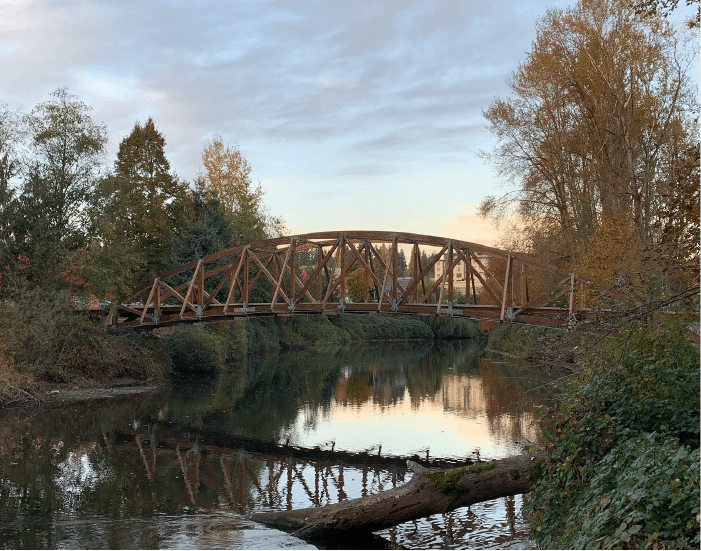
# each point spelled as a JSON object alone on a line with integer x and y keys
{"x": 427, "y": 493}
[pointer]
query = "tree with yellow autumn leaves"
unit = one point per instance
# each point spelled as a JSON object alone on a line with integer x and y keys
{"x": 591, "y": 141}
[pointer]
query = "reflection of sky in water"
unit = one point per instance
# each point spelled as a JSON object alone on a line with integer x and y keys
{"x": 406, "y": 409}
{"x": 77, "y": 474}
{"x": 197, "y": 531}
{"x": 462, "y": 417}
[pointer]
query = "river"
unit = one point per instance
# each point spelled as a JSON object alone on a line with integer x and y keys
{"x": 165, "y": 469}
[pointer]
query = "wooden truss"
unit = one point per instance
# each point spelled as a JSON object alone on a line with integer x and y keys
{"x": 310, "y": 274}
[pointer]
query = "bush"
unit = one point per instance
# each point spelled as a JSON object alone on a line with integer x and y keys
{"x": 314, "y": 331}
{"x": 140, "y": 355}
{"x": 623, "y": 467}
{"x": 48, "y": 339}
{"x": 236, "y": 339}
{"x": 372, "y": 328}
{"x": 196, "y": 350}
{"x": 451, "y": 328}
{"x": 263, "y": 335}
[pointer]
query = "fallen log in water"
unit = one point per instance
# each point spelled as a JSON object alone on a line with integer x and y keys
{"x": 428, "y": 492}
{"x": 169, "y": 437}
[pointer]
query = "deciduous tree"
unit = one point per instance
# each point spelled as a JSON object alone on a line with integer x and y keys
{"x": 228, "y": 178}
{"x": 66, "y": 148}
{"x": 50, "y": 215}
{"x": 599, "y": 109}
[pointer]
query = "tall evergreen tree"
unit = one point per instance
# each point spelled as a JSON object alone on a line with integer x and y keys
{"x": 140, "y": 207}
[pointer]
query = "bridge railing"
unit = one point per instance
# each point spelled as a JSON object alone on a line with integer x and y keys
{"x": 366, "y": 272}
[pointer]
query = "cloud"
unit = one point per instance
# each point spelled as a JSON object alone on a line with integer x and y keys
{"x": 471, "y": 227}
{"x": 318, "y": 93}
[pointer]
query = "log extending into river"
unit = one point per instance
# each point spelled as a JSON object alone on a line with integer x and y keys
{"x": 428, "y": 492}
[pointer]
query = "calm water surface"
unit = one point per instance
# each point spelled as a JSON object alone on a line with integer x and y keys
{"x": 166, "y": 470}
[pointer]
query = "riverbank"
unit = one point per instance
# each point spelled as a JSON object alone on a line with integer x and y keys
{"x": 623, "y": 447}
{"x": 551, "y": 351}
{"x": 112, "y": 363}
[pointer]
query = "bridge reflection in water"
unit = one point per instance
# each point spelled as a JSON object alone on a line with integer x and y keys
{"x": 141, "y": 472}
{"x": 212, "y": 478}
{"x": 240, "y": 481}
{"x": 361, "y": 272}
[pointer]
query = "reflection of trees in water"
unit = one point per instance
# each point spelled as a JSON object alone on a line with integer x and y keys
{"x": 384, "y": 373}
{"x": 509, "y": 411}
{"x": 264, "y": 398}
{"x": 152, "y": 474}
{"x": 70, "y": 467}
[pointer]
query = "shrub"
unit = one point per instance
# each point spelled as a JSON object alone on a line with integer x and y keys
{"x": 48, "y": 339}
{"x": 451, "y": 328}
{"x": 140, "y": 355}
{"x": 236, "y": 338}
{"x": 624, "y": 450}
{"x": 263, "y": 335}
{"x": 197, "y": 350}
{"x": 369, "y": 328}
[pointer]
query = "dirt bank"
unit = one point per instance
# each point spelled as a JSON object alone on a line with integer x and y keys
{"x": 42, "y": 392}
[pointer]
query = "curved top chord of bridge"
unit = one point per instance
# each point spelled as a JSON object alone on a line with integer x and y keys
{"x": 361, "y": 272}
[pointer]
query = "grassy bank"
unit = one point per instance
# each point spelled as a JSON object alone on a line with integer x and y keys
{"x": 217, "y": 347}
{"x": 45, "y": 343}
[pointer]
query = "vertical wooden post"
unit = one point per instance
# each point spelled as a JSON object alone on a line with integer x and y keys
{"x": 342, "y": 252}
{"x": 472, "y": 280}
{"x": 506, "y": 294}
{"x": 200, "y": 286}
{"x": 246, "y": 265}
{"x": 423, "y": 282}
{"x": 524, "y": 286}
{"x": 293, "y": 270}
{"x": 157, "y": 302}
{"x": 319, "y": 258}
{"x": 415, "y": 272}
{"x": 368, "y": 277}
{"x": 449, "y": 273}
{"x": 395, "y": 263}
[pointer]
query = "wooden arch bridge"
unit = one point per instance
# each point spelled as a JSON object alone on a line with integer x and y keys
{"x": 369, "y": 272}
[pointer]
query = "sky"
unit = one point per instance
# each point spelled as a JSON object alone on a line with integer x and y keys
{"x": 353, "y": 114}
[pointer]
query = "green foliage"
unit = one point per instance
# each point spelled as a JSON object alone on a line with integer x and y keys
{"x": 49, "y": 339}
{"x": 309, "y": 332}
{"x": 644, "y": 492}
{"x": 209, "y": 232}
{"x": 141, "y": 203}
{"x": 369, "y": 328}
{"x": 263, "y": 335}
{"x": 197, "y": 350}
{"x": 624, "y": 450}
{"x": 451, "y": 328}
